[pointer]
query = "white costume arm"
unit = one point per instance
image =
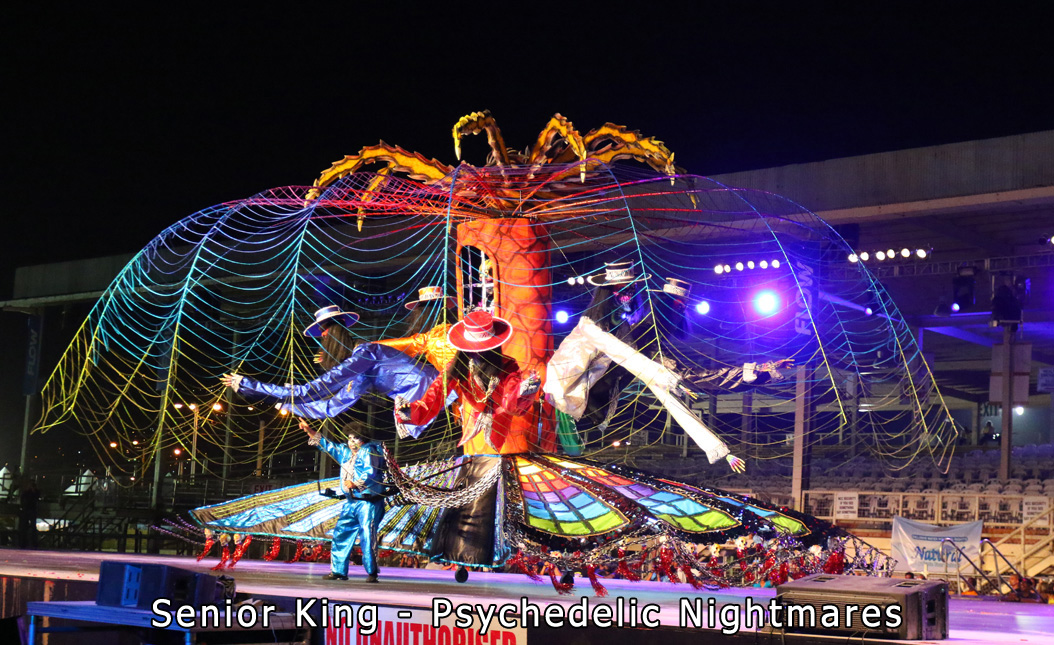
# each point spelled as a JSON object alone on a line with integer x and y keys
{"x": 573, "y": 368}
{"x": 660, "y": 380}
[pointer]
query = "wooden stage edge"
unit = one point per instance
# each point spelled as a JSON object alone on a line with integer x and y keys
{"x": 971, "y": 621}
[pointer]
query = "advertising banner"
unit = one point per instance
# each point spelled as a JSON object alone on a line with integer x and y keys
{"x": 918, "y": 546}
{"x": 31, "y": 375}
{"x": 368, "y": 624}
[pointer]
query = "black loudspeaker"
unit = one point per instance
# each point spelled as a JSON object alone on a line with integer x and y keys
{"x": 126, "y": 584}
{"x": 923, "y": 606}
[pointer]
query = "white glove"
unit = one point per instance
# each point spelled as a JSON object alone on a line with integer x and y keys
{"x": 232, "y": 380}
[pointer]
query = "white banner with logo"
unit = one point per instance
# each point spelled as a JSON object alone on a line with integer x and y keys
{"x": 917, "y": 546}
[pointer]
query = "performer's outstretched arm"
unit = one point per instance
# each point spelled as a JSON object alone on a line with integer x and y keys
{"x": 339, "y": 452}
{"x": 661, "y": 381}
{"x": 325, "y": 386}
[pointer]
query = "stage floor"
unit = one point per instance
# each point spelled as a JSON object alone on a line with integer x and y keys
{"x": 971, "y": 621}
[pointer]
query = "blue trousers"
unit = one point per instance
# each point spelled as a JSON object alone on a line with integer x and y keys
{"x": 359, "y": 519}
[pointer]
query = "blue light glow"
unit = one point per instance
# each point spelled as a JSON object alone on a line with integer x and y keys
{"x": 702, "y": 308}
{"x": 561, "y": 317}
{"x": 766, "y": 303}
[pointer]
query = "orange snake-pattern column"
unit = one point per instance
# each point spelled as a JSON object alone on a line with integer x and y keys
{"x": 519, "y": 251}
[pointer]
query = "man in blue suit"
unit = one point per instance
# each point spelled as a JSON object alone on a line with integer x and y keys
{"x": 362, "y": 469}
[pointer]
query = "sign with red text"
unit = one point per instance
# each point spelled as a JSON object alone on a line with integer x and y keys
{"x": 351, "y": 624}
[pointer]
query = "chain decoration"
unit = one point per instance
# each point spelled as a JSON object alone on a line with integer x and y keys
{"x": 417, "y": 492}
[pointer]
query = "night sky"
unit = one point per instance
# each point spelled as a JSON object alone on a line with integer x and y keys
{"x": 123, "y": 122}
{"x": 119, "y": 123}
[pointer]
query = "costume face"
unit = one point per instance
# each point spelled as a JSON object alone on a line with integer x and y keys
{"x": 631, "y": 308}
{"x": 354, "y": 442}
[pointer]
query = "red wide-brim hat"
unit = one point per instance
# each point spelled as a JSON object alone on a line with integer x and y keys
{"x": 479, "y": 331}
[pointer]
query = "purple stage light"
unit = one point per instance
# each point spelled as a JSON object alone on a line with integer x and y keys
{"x": 766, "y": 303}
{"x": 955, "y": 307}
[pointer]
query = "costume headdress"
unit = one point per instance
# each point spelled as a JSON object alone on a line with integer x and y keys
{"x": 331, "y": 312}
{"x": 479, "y": 331}
{"x": 616, "y": 273}
{"x": 427, "y": 294}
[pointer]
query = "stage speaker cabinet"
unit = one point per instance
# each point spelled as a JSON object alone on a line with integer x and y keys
{"x": 133, "y": 585}
{"x": 923, "y": 605}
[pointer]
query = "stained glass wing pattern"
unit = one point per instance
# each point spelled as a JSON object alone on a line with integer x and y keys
{"x": 557, "y": 505}
{"x": 553, "y": 489}
{"x": 781, "y": 521}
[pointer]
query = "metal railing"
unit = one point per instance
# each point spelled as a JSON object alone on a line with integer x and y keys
{"x": 958, "y": 570}
{"x": 996, "y": 554}
{"x": 1041, "y": 522}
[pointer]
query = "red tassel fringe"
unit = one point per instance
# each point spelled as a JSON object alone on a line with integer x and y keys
{"x": 240, "y": 551}
{"x": 276, "y": 546}
{"x": 560, "y": 587}
{"x": 835, "y": 563}
{"x": 223, "y": 558}
{"x": 523, "y": 566}
{"x": 666, "y": 564}
{"x": 591, "y": 572}
{"x": 299, "y": 552}
{"x": 209, "y": 543}
{"x": 690, "y": 578}
{"x": 624, "y": 569}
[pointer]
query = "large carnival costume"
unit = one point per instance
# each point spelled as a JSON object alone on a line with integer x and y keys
{"x": 572, "y": 513}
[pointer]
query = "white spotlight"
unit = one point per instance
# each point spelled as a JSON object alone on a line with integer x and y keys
{"x": 719, "y": 269}
{"x": 881, "y": 255}
{"x": 905, "y": 253}
{"x": 864, "y": 257}
{"x": 775, "y": 264}
{"x": 764, "y": 264}
{"x": 921, "y": 253}
{"x": 853, "y": 258}
{"x": 750, "y": 264}
{"x": 581, "y": 280}
{"x": 728, "y": 269}
{"x": 739, "y": 266}
{"x": 571, "y": 281}
{"x": 1019, "y": 410}
{"x": 891, "y": 254}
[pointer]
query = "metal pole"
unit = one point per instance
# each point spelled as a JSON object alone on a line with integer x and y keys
{"x": 259, "y": 449}
{"x": 230, "y": 416}
{"x": 802, "y": 423}
{"x": 747, "y": 425}
{"x": 194, "y": 446}
{"x": 39, "y": 344}
{"x": 1008, "y": 402}
{"x": 25, "y": 435}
